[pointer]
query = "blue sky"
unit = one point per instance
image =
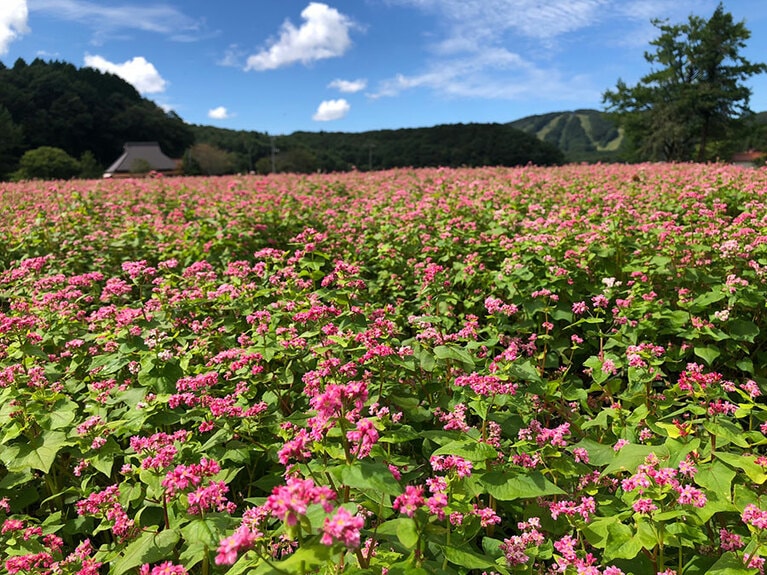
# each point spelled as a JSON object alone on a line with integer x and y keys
{"x": 279, "y": 66}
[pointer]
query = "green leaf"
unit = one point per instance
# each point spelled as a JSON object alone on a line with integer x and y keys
{"x": 370, "y": 475}
{"x": 404, "y": 528}
{"x": 707, "y": 353}
{"x": 730, "y": 564}
{"x": 456, "y": 353}
{"x": 716, "y": 477}
{"x": 620, "y": 542}
{"x": 506, "y": 487}
{"x": 702, "y": 302}
{"x": 105, "y": 457}
{"x": 40, "y": 453}
{"x": 629, "y": 457}
{"x": 426, "y": 360}
{"x": 599, "y": 454}
{"x": 148, "y": 548}
{"x": 469, "y": 559}
{"x": 305, "y": 559}
{"x": 747, "y": 463}
{"x": 743, "y": 330}
{"x": 727, "y": 431}
{"x": 525, "y": 370}
{"x": 468, "y": 449}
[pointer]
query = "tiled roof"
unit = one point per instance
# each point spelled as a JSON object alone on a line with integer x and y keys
{"x": 139, "y": 154}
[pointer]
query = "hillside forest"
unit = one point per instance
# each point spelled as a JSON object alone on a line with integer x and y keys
{"x": 90, "y": 115}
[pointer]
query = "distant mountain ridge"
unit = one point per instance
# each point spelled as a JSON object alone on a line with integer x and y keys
{"x": 583, "y": 135}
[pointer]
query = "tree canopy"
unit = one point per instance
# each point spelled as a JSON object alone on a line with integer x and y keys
{"x": 55, "y": 104}
{"x": 695, "y": 95}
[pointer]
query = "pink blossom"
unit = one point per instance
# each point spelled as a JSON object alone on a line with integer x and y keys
{"x": 343, "y": 527}
{"x": 410, "y": 501}
{"x": 644, "y": 505}
{"x": 689, "y": 495}
{"x": 166, "y": 568}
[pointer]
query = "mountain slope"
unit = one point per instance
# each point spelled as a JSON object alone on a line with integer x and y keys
{"x": 583, "y": 135}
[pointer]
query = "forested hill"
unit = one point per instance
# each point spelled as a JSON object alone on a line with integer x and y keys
{"x": 90, "y": 115}
{"x": 78, "y": 110}
{"x": 449, "y": 145}
{"x": 583, "y": 135}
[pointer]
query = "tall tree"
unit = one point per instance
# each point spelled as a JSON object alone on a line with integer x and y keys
{"x": 695, "y": 93}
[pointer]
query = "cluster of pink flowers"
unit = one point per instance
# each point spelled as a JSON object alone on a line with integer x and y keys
{"x": 543, "y": 436}
{"x": 288, "y": 502}
{"x": 486, "y": 385}
{"x": 158, "y": 449}
{"x": 343, "y": 527}
{"x": 106, "y": 504}
{"x": 515, "y": 547}
{"x": 165, "y": 568}
{"x": 461, "y": 466}
{"x": 409, "y": 502}
{"x": 585, "y": 508}
{"x": 694, "y": 379}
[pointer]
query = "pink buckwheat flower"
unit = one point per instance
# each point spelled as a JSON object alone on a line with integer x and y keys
{"x": 241, "y": 540}
{"x": 410, "y": 501}
{"x": 644, "y": 505}
{"x": 343, "y": 527}
{"x": 689, "y": 495}
{"x": 730, "y": 541}
{"x": 292, "y": 499}
{"x": 166, "y": 568}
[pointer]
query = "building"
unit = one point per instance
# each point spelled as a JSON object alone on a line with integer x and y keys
{"x": 140, "y": 158}
{"x": 749, "y": 159}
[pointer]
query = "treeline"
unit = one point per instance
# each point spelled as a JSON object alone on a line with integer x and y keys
{"x": 88, "y": 114}
{"x": 54, "y": 108}
{"x": 449, "y": 145}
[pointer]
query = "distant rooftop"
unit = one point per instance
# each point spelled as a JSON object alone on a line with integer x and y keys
{"x": 140, "y": 157}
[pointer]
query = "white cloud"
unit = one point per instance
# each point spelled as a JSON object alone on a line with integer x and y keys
{"x": 105, "y": 19}
{"x": 137, "y": 71}
{"x": 472, "y": 23}
{"x": 348, "y": 86}
{"x": 324, "y": 34}
{"x": 331, "y": 110}
{"x": 13, "y": 22}
{"x": 472, "y": 40}
{"x": 220, "y": 113}
{"x": 495, "y": 74}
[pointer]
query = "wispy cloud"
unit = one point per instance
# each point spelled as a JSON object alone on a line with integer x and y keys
{"x": 137, "y": 71}
{"x": 324, "y": 34}
{"x": 219, "y": 113}
{"x": 495, "y": 74}
{"x": 106, "y": 19}
{"x": 348, "y": 86}
{"x": 331, "y": 110}
{"x": 13, "y": 22}
{"x": 503, "y": 49}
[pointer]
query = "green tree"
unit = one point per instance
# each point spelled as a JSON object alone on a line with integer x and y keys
{"x": 208, "y": 160}
{"x": 89, "y": 166}
{"x": 10, "y": 141}
{"x": 695, "y": 94}
{"x": 47, "y": 163}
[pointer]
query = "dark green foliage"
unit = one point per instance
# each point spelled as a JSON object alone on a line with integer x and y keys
{"x": 82, "y": 110}
{"x": 449, "y": 145}
{"x": 90, "y": 168}
{"x": 47, "y": 163}
{"x": 209, "y": 160}
{"x": 10, "y": 142}
{"x": 694, "y": 98}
